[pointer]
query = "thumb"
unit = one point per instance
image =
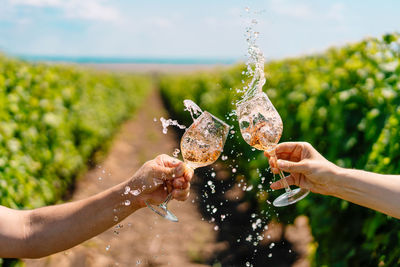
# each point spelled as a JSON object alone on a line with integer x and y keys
{"x": 290, "y": 166}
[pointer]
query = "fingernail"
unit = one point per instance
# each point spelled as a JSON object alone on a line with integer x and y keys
{"x": 281, "y": 163}
{"x": 180, "y": 168}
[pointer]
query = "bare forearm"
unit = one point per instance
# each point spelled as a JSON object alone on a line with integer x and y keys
{"x": 57, "y": 228}
{"x": 40, "y": 232}
{"x": 371, "y": 190}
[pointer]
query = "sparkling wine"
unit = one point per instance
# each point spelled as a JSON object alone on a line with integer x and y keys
{"x": 260, "y": 123}
{"x": 197, "y": 152}
{"x": 203, "y": 141}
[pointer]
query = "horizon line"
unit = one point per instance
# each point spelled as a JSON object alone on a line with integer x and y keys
{"x": 127, "y": 60}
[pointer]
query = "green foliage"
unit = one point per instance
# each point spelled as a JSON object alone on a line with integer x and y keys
{"x": 52, "y": 120}
{"x": 346, "y": 103}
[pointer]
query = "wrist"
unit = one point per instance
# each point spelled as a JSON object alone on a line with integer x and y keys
{"x": 336, "y": 180}
{"x": 132, "y": 195}
{"x": 138, "y": 192}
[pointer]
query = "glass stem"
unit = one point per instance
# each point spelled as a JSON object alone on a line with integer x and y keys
{"x": 281, "y": 175}
{"x": 287, "y": 187}
{"x": 165, "y": 203}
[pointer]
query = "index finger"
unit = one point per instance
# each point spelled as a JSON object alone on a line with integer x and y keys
{"x": 283, "y": 152}
{"x": 169, "y": 161}
{"x": 286, "y": 147}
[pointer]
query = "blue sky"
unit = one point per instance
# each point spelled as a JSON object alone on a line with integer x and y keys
{"x": 187, "y": 29}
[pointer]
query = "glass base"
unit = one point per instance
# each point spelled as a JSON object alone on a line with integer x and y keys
{"x": 291, "y": 197}
{"x": 163, "y": 212}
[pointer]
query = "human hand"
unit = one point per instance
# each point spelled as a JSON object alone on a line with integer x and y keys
{"x": 307, "y": 167}
{"x": 160, "y": 176}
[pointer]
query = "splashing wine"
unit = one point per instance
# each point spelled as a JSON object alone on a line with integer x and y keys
{"x": 193, "y": 108}
{"x": 166, "y": 123}
{"x": 259, "y": 122}
{"x": 255, "y": 63}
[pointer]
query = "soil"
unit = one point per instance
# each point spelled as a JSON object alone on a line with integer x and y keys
{"x": 198, "y": 239}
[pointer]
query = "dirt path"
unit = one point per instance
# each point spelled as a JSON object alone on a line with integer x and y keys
{"x": 144, "y": 238}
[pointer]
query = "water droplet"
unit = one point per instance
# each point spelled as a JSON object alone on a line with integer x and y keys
{"x": 271, "y": 245}
{"x": 127, "y": 189}
{"x": 127, "y": 202}
{"x": 216, "y": 228}
{"x": 108, "y": 247}
{"x": 166, "y": 123}
{"x": 115, "y": 219}
{"x": 135, "y": 192}
{"x": 176, "y": 152}
{"x": 213, "y": 174}
{"x": 269, "y": 255}
{"x": 234, "y": 170}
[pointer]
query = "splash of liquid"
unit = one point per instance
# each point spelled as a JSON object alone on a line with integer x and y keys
{"x": 176, "y": 152}
{"x": 166, "y": 123}
{"x": 254, "y": 64}
{"x": 193, "y": 108}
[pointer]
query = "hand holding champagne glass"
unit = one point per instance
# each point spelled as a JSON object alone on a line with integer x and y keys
{"x": 201, "y": 145}
{"x": 261, "y": 127}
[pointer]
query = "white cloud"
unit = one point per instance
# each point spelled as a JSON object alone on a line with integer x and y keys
{"x": 79, "y": 9}
{"x": 296, "y": 10}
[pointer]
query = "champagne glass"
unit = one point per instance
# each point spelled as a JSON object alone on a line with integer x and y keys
{"x": 201, "y": 145}
{"x": 261, "y": 127}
